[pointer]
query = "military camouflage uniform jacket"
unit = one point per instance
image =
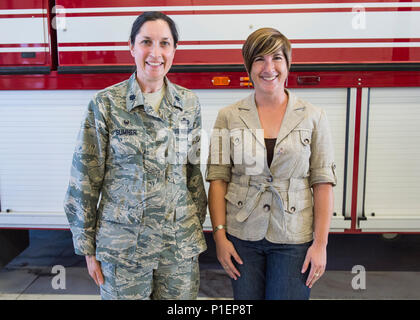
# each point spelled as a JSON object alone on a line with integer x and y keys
{"x": 152, "y": 197}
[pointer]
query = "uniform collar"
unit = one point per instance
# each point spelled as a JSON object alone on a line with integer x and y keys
{"x": 135, "y": 97}
{"x": 172, "y": 95}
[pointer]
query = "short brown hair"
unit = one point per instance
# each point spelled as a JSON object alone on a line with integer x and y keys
{"x": 265, "y": 41}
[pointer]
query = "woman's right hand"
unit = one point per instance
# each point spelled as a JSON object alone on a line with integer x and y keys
{"x": 225, "y": 251}
{"x": 95, "y": 271}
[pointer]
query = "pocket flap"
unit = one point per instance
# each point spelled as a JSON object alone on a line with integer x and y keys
{"x": 298, "y": 200}
{"x": 236, "y": 136}
{"x": 305, "y": 137}
{"x": 236, "y": 195}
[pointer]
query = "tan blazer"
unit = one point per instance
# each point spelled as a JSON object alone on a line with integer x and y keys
{"x": 273, "y": 203}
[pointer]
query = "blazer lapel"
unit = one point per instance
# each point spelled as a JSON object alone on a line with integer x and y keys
{"x": 249, "y": 115}
{"x": 293, "y": 116}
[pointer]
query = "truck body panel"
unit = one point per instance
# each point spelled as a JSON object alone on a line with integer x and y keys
{"x": 359, "y": 60}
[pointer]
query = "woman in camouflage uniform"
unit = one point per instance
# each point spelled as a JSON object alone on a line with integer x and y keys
{"x": 136, "y": 201}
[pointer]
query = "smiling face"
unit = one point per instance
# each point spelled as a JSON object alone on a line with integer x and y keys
{"x": 153, "y": 51}
{"x": 267, "y": 57}
{"x": 269, "y": 72}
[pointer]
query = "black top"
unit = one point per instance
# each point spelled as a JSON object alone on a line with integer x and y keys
{"x": 269, "y": 145}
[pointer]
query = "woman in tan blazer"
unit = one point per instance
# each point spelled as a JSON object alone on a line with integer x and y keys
{"x": 271, "y": 159}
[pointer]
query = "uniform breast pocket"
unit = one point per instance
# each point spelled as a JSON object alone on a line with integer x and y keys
{"x": 125, "y": 142}
{"x": 125, "y": 170}
{"x": 125, "y": 150}
{"x": 130, "y": 166}
{"x": 179, "y": 145}
{"x": 124, "y": 181}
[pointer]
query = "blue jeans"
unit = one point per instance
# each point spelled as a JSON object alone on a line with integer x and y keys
{"x": 270, "y": 271}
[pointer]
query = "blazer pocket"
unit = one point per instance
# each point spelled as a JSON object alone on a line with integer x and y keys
{"x": 305, "y": 137}
{"x": 298, "y": 200}
{"x": 236, "y": 146}
{"x": 305, "y": 147}
{"x": 235, "y": 196}
{"x": 299, "y": 141}
{"x": 236, "y": 136}
{"x": 298, "y": 213}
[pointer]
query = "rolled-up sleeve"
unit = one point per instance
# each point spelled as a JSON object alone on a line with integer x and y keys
{"x": 322, "y": 165}
{"x": 218, "y": 163}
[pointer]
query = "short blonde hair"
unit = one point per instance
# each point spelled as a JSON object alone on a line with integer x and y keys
{"x": 265, "y": 41}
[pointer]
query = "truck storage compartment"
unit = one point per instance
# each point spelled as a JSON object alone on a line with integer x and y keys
{"x": 24, "y": 40}
{"x": 391, "y": 196}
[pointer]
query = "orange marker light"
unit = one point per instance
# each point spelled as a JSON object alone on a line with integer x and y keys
{"x": 220, "y": 81}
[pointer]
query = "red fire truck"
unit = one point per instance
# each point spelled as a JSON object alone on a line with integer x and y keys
{"x": 359, "y": 60}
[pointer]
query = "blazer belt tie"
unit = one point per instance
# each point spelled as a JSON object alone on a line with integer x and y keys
{"x": 266, "y": 183}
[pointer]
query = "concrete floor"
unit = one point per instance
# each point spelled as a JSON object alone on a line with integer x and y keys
{"x": 392, "y": 270}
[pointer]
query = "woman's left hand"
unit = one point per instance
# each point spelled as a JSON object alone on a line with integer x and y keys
{"x": 317, "y": 257}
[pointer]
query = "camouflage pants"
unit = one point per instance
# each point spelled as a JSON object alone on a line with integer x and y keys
{"x": 167, "y": 282}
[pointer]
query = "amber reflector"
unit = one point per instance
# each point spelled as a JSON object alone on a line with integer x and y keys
{"x": 220, "y": 81}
